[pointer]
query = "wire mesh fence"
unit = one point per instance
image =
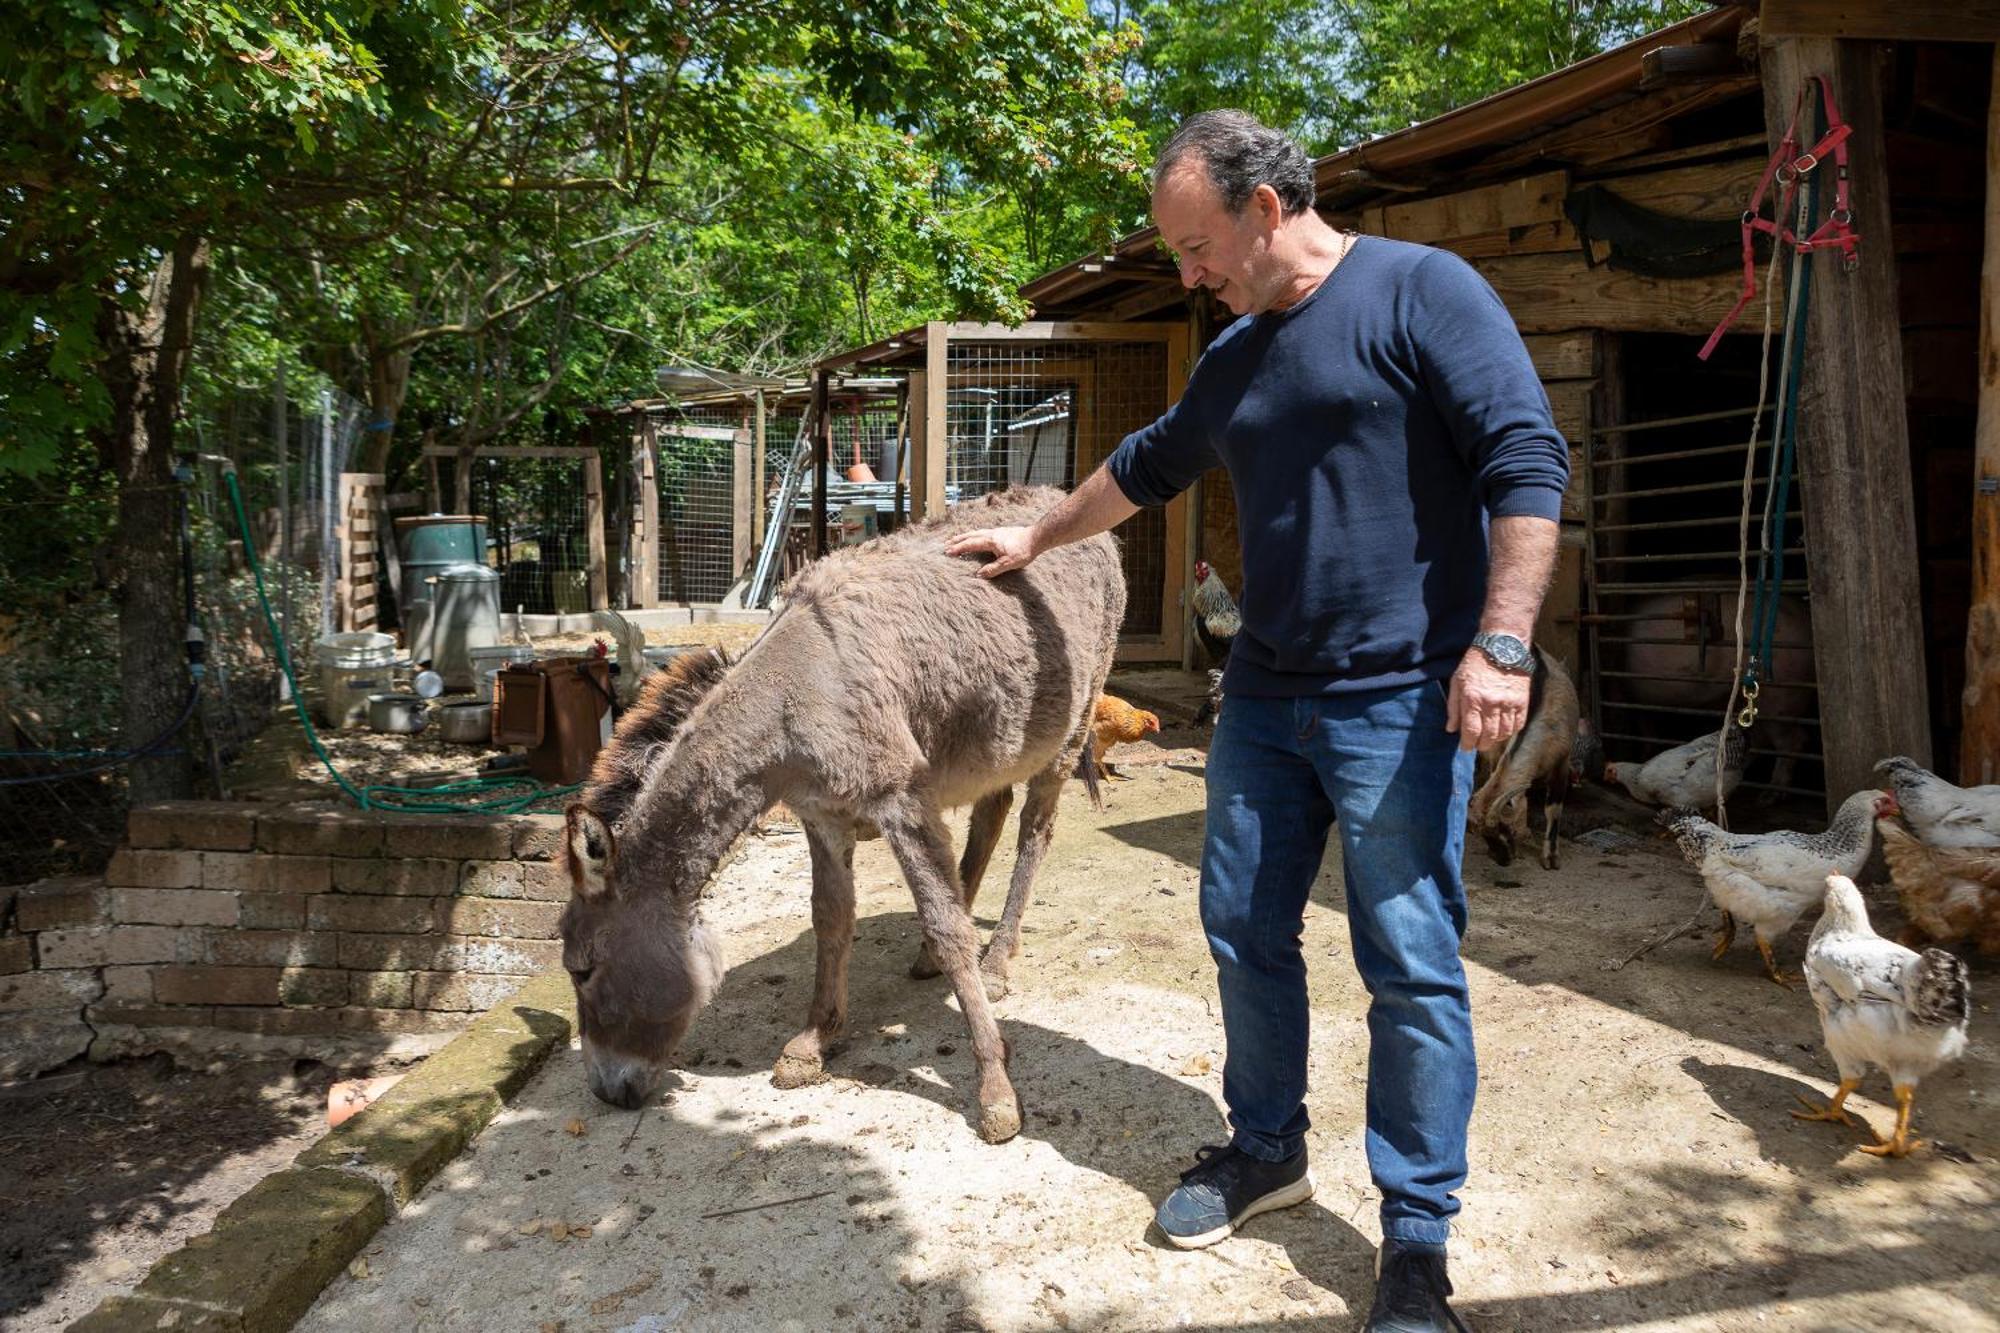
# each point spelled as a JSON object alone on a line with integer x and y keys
{"x": 537, "y": 516}
{"x": 62, "y": 743}
{"x": 1045, "y": 413}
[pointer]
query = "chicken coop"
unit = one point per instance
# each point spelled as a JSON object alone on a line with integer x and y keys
{"x": 988, "y": 406}
{"x": 1604, "y": 204}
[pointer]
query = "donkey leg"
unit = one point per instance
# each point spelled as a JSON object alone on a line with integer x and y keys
{"x": 832, "y": 849}
{"x": 1038, "y": 822}
{"x": 922, "y": 848}
{"x": 989, "y": 813}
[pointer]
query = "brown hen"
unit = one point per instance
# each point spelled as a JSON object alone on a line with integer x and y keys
{"x": 1115, "y": 722}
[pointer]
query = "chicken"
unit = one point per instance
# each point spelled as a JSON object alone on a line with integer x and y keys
{"x": 1216, "y": 622}
{"x": 1884, "y": 1005}
{"x": 1940, "y": 814}
{"x": 1948, "y": 894}
{"x": 1770, "y": 879}
{"x": 1684, "y": 777}
{"x": 633, "y": 668}
{"x": 1114, "y": 721}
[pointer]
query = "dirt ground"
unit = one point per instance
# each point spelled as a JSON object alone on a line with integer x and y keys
{"x": 104, "y": 1168}
{"x": 1634, "y": 1162}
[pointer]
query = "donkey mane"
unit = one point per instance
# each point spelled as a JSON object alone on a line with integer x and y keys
{"x": 664, "y": 703}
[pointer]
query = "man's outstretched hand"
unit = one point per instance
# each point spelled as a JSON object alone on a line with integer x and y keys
{"x": 1011, "y": 548}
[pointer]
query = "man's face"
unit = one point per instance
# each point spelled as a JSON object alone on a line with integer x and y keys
{"x": 1228, "y": 253}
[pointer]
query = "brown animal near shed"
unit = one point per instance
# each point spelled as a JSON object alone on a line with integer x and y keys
{"x": 895, "y": 684}
{"x": 1949, "y": 895}
{"x": 1538, "y": 755}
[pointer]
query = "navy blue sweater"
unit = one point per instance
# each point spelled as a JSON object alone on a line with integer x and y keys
{"x": 1369, "y": 431}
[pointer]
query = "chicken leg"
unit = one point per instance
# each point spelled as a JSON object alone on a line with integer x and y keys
{"x": 1832, "y": 1110}
{"x": 1728, "y": 938}
{"x": 1786, "y": 979}
{"x": 1899, "y": 1144}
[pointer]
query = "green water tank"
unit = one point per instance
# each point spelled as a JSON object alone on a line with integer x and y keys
{"x": 432, "y": 543}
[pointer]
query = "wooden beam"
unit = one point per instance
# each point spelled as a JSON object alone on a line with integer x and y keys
{"x": 743, "y": 506}
{"x": 757, "y": 465}
{"x": 593, "y": 526}
{"x": 1554, "y": 293}
{"x": 511, "y": 451}
{"x": 646, "y": 578}
{"x": 1521, "y": 202}
{"x": 1050, "y": 331}
{"x": 1854, "y": 446}
{"x": 927, "y": 477}
{"x": 1563, "y": 356}
{"x": 916, "y": 452}
{"x": 1709, "y": 190}
{"x": 1182, "y": 525}
{"x": 684, "y": 430}
{"x": 822, "y": 459}
{"x": 1885, "y": 20}
{"x": 1979, "y": 745}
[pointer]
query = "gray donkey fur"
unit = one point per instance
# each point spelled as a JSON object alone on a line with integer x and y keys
{"x": 895, "y": 683}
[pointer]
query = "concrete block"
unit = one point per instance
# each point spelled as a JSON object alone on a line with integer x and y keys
{"x": 128, "y": 985}
{"x": 55, "y": 904}
{"x": 312, "y": 987}
{"x": 223, "y": 825}
{"x": 498, "y": 916}
{"x": 459, "y": 837}
{"x": 173, "y": 907}
{"x": 17, "y": 954}
{"x": 265, "y": 872}
{"x": 70, "y": 989}
{"x": 339, "y": 911}
{"x": 271, "y": 911}
{"x": 448, "y": 953}
{"x": 104, "y": 946}
{"x": 275, "y": 1022}
{"x": 462, "y": 991}
{"x": 135, "y": 1015}
{"x": 382, "y": 990}
{"x": 492, "y": 879}
{"x": 201, "y": 984}
{"x": 422, "y": 877}
{"x": 320, "y": 831}
{"x": 271, "y": 948}
{"x": 138, "y": 868}
{"x": 545, "y": 881}
{"x": 538, "y": 837}
{"x": 37, "y": 1039}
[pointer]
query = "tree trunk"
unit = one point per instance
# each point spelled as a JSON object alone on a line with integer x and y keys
{"x": 145, "y": 357}
{"x": 388, "y": 385}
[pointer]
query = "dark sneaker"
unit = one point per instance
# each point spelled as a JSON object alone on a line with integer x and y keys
{"x": 1225, "y": 1188}
{"x": 1410, "y": 1292}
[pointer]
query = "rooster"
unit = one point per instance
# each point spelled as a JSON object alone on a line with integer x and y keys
{"x": 1216, "y": 622}
{"x": 1948, "y": 894}
{"x": 1770, "y": 879}
{"x": 1884, "y": 1005}
{"x": 1684, "y": 777}
{"x": 1113, "y": 722}
{"x": 633, "y": 668}
{"x": 1940, "y": 814}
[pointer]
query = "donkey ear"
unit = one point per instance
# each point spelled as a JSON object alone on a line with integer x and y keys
{"x": 592, "y": 848}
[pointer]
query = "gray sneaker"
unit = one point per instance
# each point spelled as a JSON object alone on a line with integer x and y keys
{"x": 1225, "y": 1188}
{"x": 1411, "y": 1293}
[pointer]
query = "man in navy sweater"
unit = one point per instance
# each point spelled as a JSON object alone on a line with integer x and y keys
{"x": 1398, "y": 480}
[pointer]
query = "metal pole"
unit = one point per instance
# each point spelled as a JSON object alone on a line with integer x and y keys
{"x": 328, "y": 486}
{"x": 279, "y": 438}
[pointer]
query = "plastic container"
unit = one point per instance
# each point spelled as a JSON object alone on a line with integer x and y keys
{"x": 466, "y": 616}
{"x": 432, "y": 543}
{"x": 556, "y": 707}
{"x": 352, "y": 667}
{"x": 489, "y": 660}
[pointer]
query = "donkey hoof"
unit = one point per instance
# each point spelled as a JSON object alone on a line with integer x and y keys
{"x": 1000, "y": 1121}
{"x": 924, "y": 967}
{"x": 794, "y": 1071}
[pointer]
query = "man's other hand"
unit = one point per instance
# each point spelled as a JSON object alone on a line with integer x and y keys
{"x": 1011, "y": 548}
{"x": 1487, "y": 704}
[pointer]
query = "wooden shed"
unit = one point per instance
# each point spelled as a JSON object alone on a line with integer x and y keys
{"x": 1603, "y": 203}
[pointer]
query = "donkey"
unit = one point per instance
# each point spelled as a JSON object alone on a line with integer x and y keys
{"x": 1538, "y": 754}
{"x": 894, "y": 684}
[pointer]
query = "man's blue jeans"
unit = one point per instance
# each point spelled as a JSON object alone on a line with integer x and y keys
{"x": 1278, "y": 772}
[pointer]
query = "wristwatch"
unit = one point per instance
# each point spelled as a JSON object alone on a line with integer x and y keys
{"x": 1506, "y": 652}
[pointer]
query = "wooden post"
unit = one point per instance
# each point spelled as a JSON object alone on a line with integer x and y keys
{"x": 1979, "y": 744}
{"x": 1183, "y": 526}
{"x": 646, "y": 578}
{"x": 593, "y": 521}
{"x": 932, "y": 460}
{"x": 1854, "y": 445}
{"x": 916, "y": 449}
{"x": 757, "y": 481}
{"x": 822, "y": 441}
{"x": 743, "y": 507}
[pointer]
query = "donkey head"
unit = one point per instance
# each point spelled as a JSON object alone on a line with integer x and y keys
{"x": 643, "y": 965}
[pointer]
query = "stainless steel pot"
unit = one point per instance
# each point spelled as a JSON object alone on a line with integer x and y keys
{"x": 466, "y": 723}
{"x": 401, "y": 713}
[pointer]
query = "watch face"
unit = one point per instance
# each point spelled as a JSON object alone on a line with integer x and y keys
{"x": 1504, "y": 649}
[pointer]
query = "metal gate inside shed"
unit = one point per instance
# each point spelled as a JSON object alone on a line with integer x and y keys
{"x": 1665, "y": 499}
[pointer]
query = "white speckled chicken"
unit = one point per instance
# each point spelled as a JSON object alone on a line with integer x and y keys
{"x": 1884, "y": 1005}
{"x": 1684, "y": 777}
{"x": 1940, "y": 814}
{"x": 1770, "y": 879}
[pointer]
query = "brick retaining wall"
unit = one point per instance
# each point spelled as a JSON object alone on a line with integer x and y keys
{"x": 223, "y": 927}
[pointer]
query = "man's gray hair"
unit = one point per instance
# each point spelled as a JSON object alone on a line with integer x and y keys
{"x": 1241, "y": 154}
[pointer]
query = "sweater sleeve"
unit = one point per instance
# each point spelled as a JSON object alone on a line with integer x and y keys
{"x": 1485, "y": 387}
{"x": 1157, "y": 462}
